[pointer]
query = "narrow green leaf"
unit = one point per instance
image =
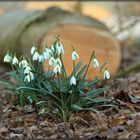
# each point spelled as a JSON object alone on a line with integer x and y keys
{"x": 7, "y": 83}
{"x": 79, "y": 74}
{"x": 94, "y": 93}
{"x": 76, "y": 68}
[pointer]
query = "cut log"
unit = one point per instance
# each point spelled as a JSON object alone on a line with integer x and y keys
{"x": 86, "y": 39}
{"x": 20, "y": 29}
{"x": 70, "y": 6}
{"x": 92, "y": 10}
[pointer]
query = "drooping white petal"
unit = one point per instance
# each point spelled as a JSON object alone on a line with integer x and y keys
{"x": 23, "y": 63}
{"x": 57, "y": 69}
{"x": 27, "y": 70}
{"x": 41, "y": 58}
{"x": 75, "y": 55}
{"x": 31, "y": 75}
{"x": 106, "y": 75}
{"x": 30, "y": 99}
{"x": 52, "y": 61}
{"x": 7, "y": 58}
{"x": 58, "y": 62}
{"x": 52, "y": 48}
{"x": 73, "y": 81}
{"x": 62, "y": 48}
{"x": 33, "y": 49}
{"x": 59, "y": 48}
{"x": 15, "y": 60}
{"x": 27, "y": 78}
{"x": 47, "y": 53}
{"x": 95, "y": 63}
{"x": 35, "y": 56}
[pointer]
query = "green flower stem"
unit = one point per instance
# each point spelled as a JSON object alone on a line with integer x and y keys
{"x": 98, "y": 74}
{"x": 12, "y": 67}
{"x": 61, "y": 98}
{"x": 92, "y": 55}
{"x": 74, "y": 67}
{"x": 63, "y": 110}
{"x": 63, "y": 67}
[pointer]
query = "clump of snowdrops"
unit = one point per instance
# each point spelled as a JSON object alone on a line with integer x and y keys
{"x": 54, "y": 92}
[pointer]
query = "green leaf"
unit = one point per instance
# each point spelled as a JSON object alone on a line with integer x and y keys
{"x": 79, "y": 74}
{"x": 7, "y": 83}
{"x": 76, "y": 68}
{"x": 96, "y": 101}
{"x": 95, "y": 92}
{"x": 83, "y": 85}
{"x": 76, "y": 107}
{"x": 79, "y": 108}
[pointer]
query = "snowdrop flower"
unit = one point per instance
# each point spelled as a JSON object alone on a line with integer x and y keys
{"x": 106, "y": 74}
{"x": 52, "y": 48}
{"x": 36, "y": 56}
{"x": 59, "y": 48}
{"x": 73, "y": 81}
{"x": 55, "y": 110}
{"x": 58, "y": 62}
{"x": 57, "y": 69}
{"x": 95, "y": 63}
{"x": 15, "y": 60}
{"x": 41, "y": 58}
{"x": 28, "y": 78}
{"x": 75, "y": 55}
{"x": 7, "y": 58}
{"x": 47, "y": 53}
{"x": 31, "y": 75}
{"x": 52, "y": 61}
{"x": 23, "y": 63}
{"x": 33, "y": 49}
{"x": 27, "y": 70}
{"x": 30, "y": 99}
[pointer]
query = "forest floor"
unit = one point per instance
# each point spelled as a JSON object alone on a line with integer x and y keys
{"x": 110, "y": 123}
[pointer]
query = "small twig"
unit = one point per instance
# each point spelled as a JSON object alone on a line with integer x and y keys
{"x": 84, "y": 121}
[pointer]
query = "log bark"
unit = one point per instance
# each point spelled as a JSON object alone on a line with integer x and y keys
{"x": 20, "y": 29}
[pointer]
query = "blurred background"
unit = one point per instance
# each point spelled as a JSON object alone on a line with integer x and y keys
{"x": 122, "y": 19}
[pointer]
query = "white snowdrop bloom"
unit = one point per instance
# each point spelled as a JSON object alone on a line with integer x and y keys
{"x": 73, "y": 81}
{"x": 52, "y": 48}
{"x": 30, "y": 99}
{"x": 58, "y": 62}
{"x": 31, "y": 75}
{"x": 47, "y": 53}
{"x": 27, "y": 70}
{"x": 7, "y": 58}
{"x": 33, "y": 49}
{"x": 35, "y": 56}
{"x": 23, "y": 63}
{"x": 59, "y": 48}
{"x": 75, "y": 55}
{"x": 57, "y": 69}
{"x": 55, "y": 110}
{"x": 106, "y": 74}
{"x": 52, "y": 61}
{"x": 27, "y": 78}
{"x": 41, "y": 58}
{"x": 15, "y": 60}
{"x": 95, "y": 63}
